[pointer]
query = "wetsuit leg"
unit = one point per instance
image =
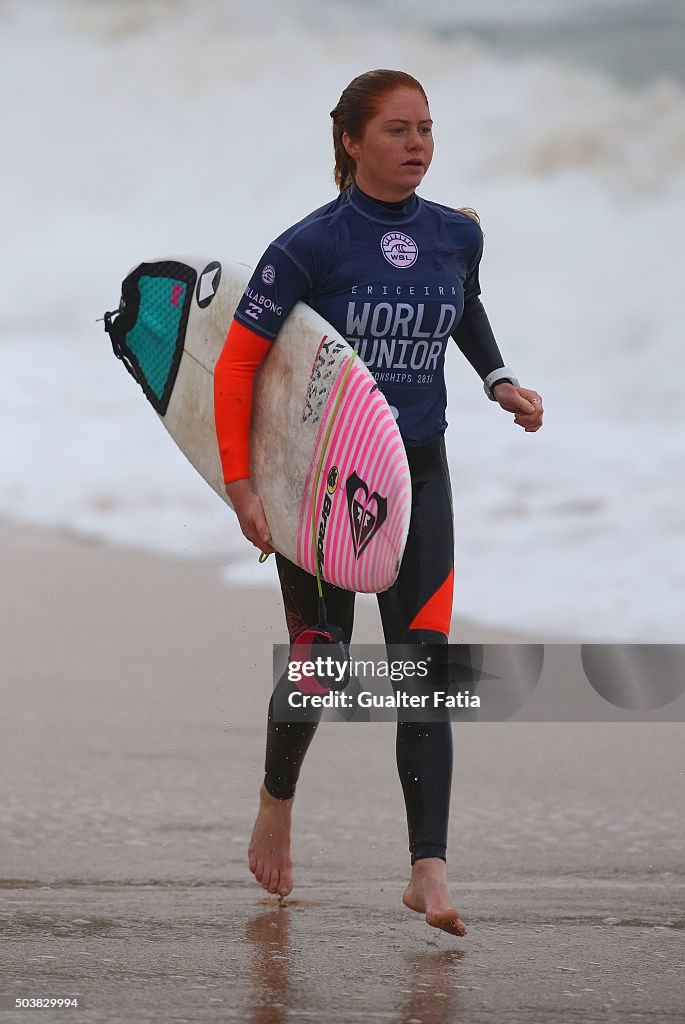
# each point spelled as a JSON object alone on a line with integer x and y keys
{"x": 288, "y": 742}
{"x": 417, "y": 611}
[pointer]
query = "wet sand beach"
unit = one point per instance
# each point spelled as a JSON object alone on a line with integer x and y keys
{"x": 134, "y": 694}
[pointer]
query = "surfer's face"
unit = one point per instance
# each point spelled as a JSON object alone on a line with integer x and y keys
{"x": 396, "y": 147}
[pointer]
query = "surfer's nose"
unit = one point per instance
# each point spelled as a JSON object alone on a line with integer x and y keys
{"x": 414, "y": 140}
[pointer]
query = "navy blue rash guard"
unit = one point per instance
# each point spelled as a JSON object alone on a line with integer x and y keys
{"x": 394, "y": 282}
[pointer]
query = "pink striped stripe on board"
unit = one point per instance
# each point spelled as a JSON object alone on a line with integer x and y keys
{"x": 365, "y": 530}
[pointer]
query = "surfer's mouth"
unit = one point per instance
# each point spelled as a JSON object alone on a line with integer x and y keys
{"x": 413, "y": 163}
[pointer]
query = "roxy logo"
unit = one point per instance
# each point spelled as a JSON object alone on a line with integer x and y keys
{"x": 399, "y": 249}
{"x": 367, "y": 512}
{"x": 268, "y": 274}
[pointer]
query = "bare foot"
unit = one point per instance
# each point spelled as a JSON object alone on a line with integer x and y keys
{"x": 427, "y": 894}
{"x": 269, "y": 849}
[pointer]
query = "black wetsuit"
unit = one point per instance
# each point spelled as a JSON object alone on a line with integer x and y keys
{"x": 345, "y": 261}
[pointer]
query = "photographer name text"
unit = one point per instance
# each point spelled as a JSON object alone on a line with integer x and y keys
{"x": 398, "y": 699}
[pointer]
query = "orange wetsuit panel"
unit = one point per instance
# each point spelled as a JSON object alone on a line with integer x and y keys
{"x": 437, "y": 611}
{"x": 234, "y": 375}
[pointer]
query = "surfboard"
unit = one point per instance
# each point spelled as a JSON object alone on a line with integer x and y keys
{"x": 326, "y": 456}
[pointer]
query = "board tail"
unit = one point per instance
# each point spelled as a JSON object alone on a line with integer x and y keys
{"x": 148, "y": 330}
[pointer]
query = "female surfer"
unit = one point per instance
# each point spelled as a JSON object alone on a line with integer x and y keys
{"x": 396, "y": 276}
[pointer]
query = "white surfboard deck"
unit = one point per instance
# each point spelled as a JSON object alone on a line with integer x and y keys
{"x": 326, "y": 456}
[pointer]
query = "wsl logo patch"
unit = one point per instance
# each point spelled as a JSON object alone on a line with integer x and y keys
{"x": 367, "y": 512}
{"x": 268, "y": 274}
{"x": 399, "y": 249}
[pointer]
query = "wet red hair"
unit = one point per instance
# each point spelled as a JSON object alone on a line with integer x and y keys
{"x": 356, "y": 107}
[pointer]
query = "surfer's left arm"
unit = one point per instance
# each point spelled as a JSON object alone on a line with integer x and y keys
{"x": 525, "y": 403}
{"x": 475, "y": 339}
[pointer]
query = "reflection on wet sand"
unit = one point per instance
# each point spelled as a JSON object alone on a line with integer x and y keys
{"x": 286, "y": 976}
{"x": 272, "y": 995}
{"x": 430, "y": 992}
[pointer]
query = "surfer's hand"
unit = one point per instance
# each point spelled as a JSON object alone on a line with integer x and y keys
{"x": 250, "y": 512}
{"x": 525, "y": 403}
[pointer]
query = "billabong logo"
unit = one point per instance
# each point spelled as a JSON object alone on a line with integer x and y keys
{"x": 367, "y": 512}
{"x": 268, "y": 274}
{"x": 399, "y": 249}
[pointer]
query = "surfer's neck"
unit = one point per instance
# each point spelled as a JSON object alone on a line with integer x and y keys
{"x": 384, "y": 202}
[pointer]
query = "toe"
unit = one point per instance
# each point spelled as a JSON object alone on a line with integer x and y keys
{"x": 449, "y": 921}
{"x": 285, "y": 883}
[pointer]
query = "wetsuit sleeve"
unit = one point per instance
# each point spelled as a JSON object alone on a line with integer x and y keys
{"x": 473, "y": 334}
{"x": 234, "y": 374}
{"x": 277, "y": 284}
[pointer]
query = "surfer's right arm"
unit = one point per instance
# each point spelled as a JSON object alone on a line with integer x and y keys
{"x": 277, "y": 283}
{"x": 234, "y": 374}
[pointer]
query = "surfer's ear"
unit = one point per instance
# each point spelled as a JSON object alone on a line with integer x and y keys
{"x": 351, "y": 147}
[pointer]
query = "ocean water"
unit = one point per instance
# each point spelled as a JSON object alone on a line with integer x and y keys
{"x": 135, "y": 129}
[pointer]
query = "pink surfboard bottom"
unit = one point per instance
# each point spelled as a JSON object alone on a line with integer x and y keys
{"x": 364, "y": 444}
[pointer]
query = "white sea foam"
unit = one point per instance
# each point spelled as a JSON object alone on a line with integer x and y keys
{"x": 131, "y": 131}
